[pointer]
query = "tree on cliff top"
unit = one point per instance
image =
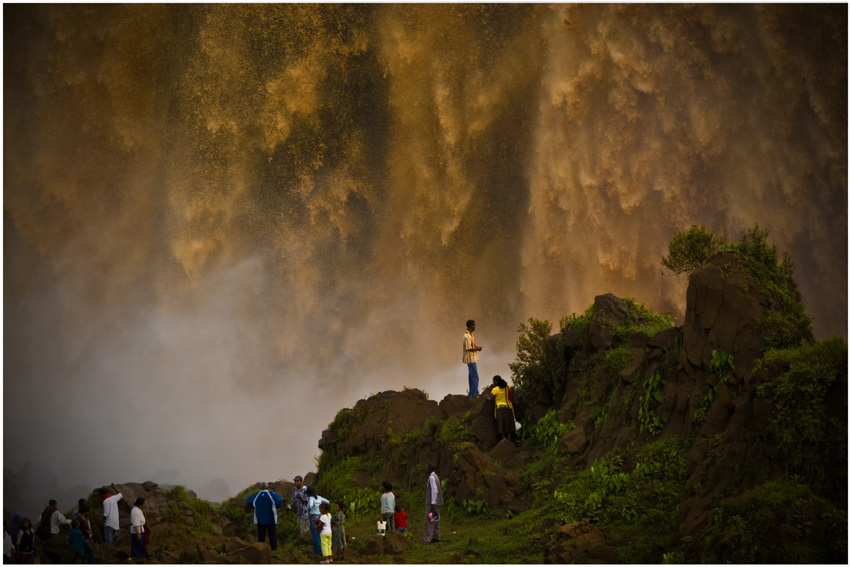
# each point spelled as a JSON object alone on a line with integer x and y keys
{"x": 691, "y": 249}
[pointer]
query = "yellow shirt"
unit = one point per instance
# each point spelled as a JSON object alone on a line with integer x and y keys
{"x": 501, "y": 396}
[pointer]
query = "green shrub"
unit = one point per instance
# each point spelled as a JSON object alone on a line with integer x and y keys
{"x": 689, "y": 250}
{"x": 777, "y": 522}
{"x": 786, "y": 322}
{"x": 639, "y": 318}
{"x": 540, "y": 358}
{"x": 808, "y": 441}
{"x": 548, "y": 430}
{"x": 648, "y": 418}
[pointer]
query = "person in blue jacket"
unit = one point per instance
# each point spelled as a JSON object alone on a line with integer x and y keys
{"x": 265, "y": 504}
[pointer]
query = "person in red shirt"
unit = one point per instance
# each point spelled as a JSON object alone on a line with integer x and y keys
{"x": 400, "y": 519}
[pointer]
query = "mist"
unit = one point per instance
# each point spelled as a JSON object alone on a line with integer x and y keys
{"x": 224, "y": 223}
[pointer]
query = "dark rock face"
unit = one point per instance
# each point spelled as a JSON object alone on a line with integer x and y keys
{"x": 582, "y": 544}
{"x": 396, "y": 411}
{"x": 609, "y": 312}
{"x": 722, "y": 314}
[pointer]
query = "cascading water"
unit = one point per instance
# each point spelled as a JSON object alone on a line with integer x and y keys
{"x": 223, "y": 223}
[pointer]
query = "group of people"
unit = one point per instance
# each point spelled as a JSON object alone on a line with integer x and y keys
{"x": 393, "y": 516}
{"x": 313, "y": 513}
{"x": 500, "y": 392}
{"x": 20, "y": 537}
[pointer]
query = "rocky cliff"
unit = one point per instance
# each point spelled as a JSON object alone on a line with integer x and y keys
{"x": 738, "y": 414}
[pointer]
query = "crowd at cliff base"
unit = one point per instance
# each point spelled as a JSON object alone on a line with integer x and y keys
{"x": 19, "y": 536}
{"x": 317, "y": 516}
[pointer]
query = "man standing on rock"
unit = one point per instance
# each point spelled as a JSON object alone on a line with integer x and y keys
{"x": 266, "y": 503}
{"x": 433, "y": 501}
{"x": 470, "y": 358}
{"x": 299, "y": 496}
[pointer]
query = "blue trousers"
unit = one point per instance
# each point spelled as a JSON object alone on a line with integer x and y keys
{"x": 314, "y": 534}
{"x": 473, "y": 379}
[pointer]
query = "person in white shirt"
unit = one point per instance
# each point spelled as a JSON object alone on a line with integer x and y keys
{"x": 433, "y": 501}
{"x": 110, "y": 514}
{"x": 138, "y": 539}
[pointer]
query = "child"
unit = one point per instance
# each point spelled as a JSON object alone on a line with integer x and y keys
{"x": 338, "y": 539}
{"x": 382, "y": 526}
{"x": 323, "y": 524}
{"x": 400, "y": 519}
{"x": 387, "y": 504}
{"x": 77, "y": 541}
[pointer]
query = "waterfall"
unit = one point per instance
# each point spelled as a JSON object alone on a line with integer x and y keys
{"x": 223, "y": 223}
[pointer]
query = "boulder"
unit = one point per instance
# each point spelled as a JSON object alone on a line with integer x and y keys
{"x": 253, "y": 553}
{"x": 722, "y": 314}
{"x": 580, "y": 543}
{"x": 573, "y": 442}
{"x": 396, "y": 543}
{"x": 609, "y": 310}
{"x": 371, "y": 418}
{"x": 504, "y": 451}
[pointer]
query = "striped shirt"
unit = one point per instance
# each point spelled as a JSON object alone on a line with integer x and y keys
{"x": 469, "y": 355}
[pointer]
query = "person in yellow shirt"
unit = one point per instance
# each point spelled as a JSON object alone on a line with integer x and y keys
{"x": 470, "y": 357}
{"x": 505, "y": 420}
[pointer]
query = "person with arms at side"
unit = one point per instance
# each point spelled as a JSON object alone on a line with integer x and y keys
{"x": 138, "y": 532}
{"x": 433, "y": 501}
{"x": 299, "y": 497}
{"x": 25, "y": 544}
{"x": 388, "y": 504}
{"x": 8, "y": 546}
{"x": 325, "y": 532}
{"x": 470, "y": 357}
{"x": 338, "y": 526}
{"x": 266, "y": 503}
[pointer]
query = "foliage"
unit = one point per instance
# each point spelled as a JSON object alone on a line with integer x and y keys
{"x": 648, "y": 417}
{"x": 806, "y": 436}
{"x": 720, "y": 360}
{"x": 548, "y": 430}
{"x": 363, "y": 502}
{"x": 337, "y": 482}
{"x": 474, "y": 507}
{"x": 777, "y": 522}
{"x": 539, "y": 359}
{"x": 341, "y": 425}
{"x": 786, "y": 322}
{"x": 639, "y": 318}
{"x": 689, "y": 250}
